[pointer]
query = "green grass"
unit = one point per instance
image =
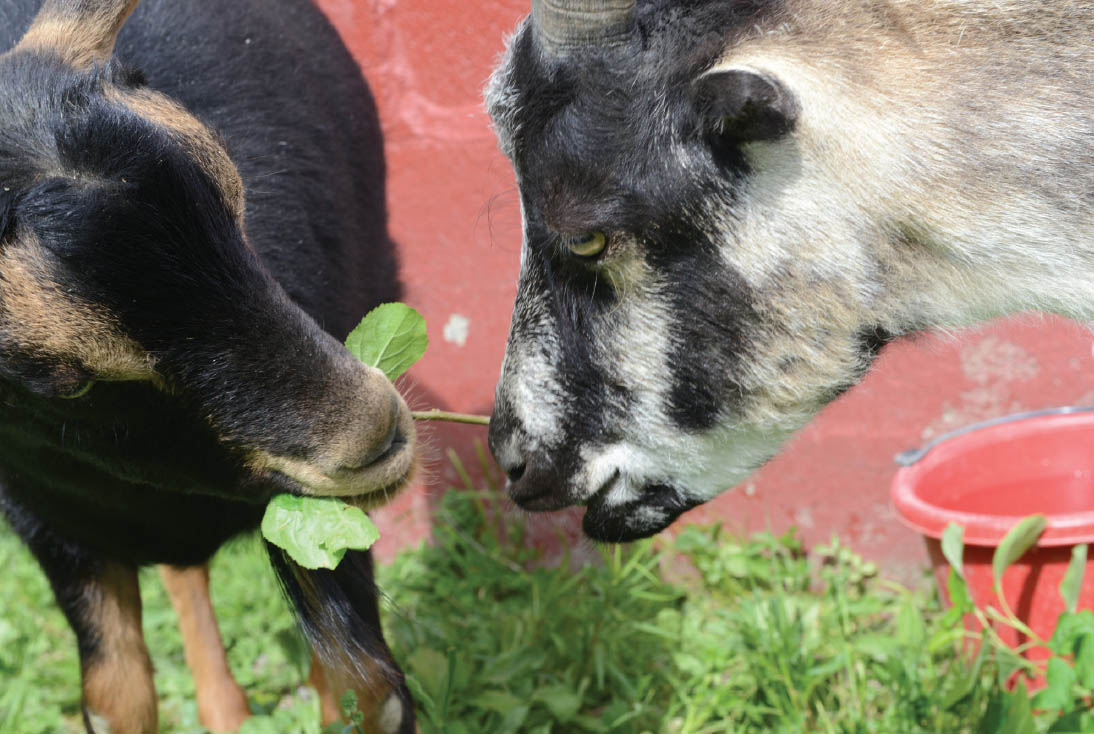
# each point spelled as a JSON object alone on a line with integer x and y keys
{"x": 39, "y": 673}
{"x": 707, "y": 634}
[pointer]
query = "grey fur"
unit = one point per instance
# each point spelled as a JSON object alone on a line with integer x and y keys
{"x": 940, "y": 172}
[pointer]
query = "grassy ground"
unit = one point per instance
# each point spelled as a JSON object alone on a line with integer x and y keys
{"x": 711, "y": 634}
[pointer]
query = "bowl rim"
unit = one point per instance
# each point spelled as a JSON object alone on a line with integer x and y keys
{"x": 980, "y": 529}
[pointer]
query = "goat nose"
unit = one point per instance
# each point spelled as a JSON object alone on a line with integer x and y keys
{"x": 392, "y": 442}
{"x": 534, "y": 482}
{"x": 379, "y": 445}
{"x": 538, "y": 487}
{"x": 504, "y": 443}
{"x": 515, "y": 473}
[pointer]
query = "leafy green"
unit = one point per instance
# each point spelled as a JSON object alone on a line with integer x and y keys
{"x": 707, "y": 634}
{"x": 1015, "y": 543}
{"x": 1072, "y": 582}
{"x": 316, "y": 532}
{"x": 953, "y": 547}
{"x": 392, "y": 337}
{"x": 1057, "y": 694}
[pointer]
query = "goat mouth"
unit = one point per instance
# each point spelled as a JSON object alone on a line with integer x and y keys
{"x": 381, "y": 496}
{"x": 599, "y": 498}
{"x": 657, "y": 506}
{"x": 368, "y": 487}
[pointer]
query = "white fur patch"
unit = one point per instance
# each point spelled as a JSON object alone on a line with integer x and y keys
{"x": 98, "y": 724}
{"x": 923, "y": 185}
{"x": 391, "y": 715}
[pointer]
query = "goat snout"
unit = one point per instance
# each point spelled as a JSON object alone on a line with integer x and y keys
{"x": 539, "y": 487}
{"x": 534, "y": 482}
{"x": 374, "y": 450}
{"x": 364, "y": 442}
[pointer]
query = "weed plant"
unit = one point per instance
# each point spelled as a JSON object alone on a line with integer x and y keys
{"x": 701, "y": 634}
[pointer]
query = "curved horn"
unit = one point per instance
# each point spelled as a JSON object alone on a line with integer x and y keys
{"x": 565, "y": 24}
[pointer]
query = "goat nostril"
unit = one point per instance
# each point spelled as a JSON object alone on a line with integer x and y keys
{"x": 391, "y": 443}
{"x": 516, "y": 472}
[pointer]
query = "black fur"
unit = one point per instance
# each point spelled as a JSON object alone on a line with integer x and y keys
{"x": 136, "y": 474}
{"x": 591, "y": 136}
{"x": 340, "y": 599}
{"x": 620, "y": 523}
{"x": 742, "y": 105}
{"x": 596, "y": 164}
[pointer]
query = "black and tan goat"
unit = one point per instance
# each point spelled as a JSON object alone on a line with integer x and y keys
{"x": 192, "y": 199}
{"x": 731, "y": 205}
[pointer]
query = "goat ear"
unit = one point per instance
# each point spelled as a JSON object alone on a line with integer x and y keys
{"x": 81, "y": 32}
{"x": 743, "y": 105}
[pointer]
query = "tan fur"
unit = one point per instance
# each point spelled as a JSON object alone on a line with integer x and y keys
{"x": 332, "y": 470}
{"x": 328, "y": 704}
{"x": 197, "y": 139}
{"x": 940, "y": 172}
{"x": 117, "y": 683}
{"x": 959, "y": 129}
{"x": 41, "y": 318}
{"x": 372, "y": 697}
{"x": 80, "y": 32}
{"x": 222, "y": 704}
{"x": 333, "y": 677}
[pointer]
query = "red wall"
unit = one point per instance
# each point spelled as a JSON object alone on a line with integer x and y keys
{"x": 454, "y": 213}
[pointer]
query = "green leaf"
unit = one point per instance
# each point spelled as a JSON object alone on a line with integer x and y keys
{"x": 560, "y": 700}
{"x": 1073, "y": 579}
{"x": 953, "y": 547}
{"x": 315, "y": 531}
{"x": 958, "y": 590}
{"x": 512, "y": 722}
{"x": 962, "y": 680}
{"x": 259, "y": 725}
{"x": 347, "y": 704}
{"x": 945, "y": 637}
{"x": 1057, "y": 694}
{"x": 392, "y": 337}
{"x": 501, "y": 702}
{"x": 1073, "y": 722}
{"x": 430, "y": 667}
{"x": 1070, "y": 628}
{"x": 1015, "y": 715}
{"x": 1015, "y": 543}
{"x": 910, "y": 629}
{"x": 1084, "y": 661}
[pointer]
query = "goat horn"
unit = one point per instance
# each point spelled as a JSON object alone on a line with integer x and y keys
{"x": 567, "y": 24}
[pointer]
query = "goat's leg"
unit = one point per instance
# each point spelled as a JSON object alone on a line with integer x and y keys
{"x": 102, "y": 602}
{"x": 369, "y": 702}
{"x": 329, "y": 711}
{"x": 222, "y": 705}
{"x": 384, "y": 704}
{"x": 340, "y": 614}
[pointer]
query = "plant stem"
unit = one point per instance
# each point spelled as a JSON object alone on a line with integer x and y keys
{"x": 444, "y": 415}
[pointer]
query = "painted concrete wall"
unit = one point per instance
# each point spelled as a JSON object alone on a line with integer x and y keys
{"x": 454, "y": 213}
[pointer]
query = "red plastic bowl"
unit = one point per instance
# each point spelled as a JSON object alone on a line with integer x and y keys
{"x": 989, "y": 476}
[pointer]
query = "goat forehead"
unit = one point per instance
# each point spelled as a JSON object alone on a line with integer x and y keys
{"x": 100, "y": 125}
{"x": 198, "y": 141}
{"x": 675, "y": 43}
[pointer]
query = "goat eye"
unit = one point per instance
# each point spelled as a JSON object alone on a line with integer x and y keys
{"x": 83, "y": 389}
{"x": 588, "y": 245}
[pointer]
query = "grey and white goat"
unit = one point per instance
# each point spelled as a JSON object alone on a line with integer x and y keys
{"x": 730, "y": 206}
